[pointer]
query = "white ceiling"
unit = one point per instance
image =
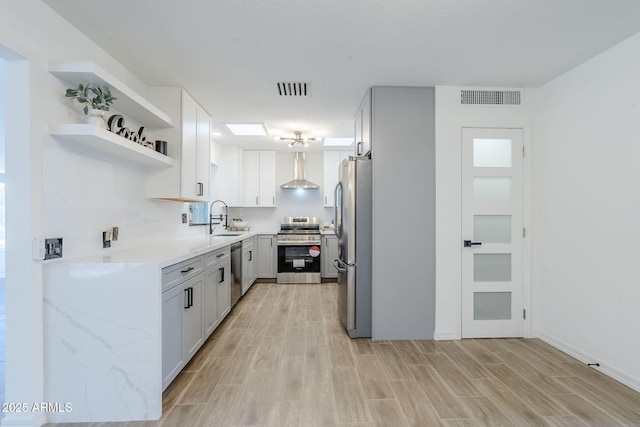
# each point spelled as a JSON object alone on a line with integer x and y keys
{"x": 229, "y": 54}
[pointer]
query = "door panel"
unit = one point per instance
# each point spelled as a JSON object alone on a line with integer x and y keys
{"x": 492, "y": 232}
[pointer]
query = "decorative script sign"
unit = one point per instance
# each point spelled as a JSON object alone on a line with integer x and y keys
{"x": 116, "y": 125}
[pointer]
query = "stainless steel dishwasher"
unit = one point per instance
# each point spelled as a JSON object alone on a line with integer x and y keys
{"x": 236, "y": 272}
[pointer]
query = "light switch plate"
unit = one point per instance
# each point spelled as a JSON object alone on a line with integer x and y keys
{"x": 184, "y": 218}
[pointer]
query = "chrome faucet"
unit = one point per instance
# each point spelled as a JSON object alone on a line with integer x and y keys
{"x": 218, "y": 217}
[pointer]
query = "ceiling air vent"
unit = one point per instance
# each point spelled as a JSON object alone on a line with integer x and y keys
{"x": 490, "y": 97}
{"x": 294, "y": 88}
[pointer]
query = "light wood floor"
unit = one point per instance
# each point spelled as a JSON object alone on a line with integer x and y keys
{"x": 282, "y": 359}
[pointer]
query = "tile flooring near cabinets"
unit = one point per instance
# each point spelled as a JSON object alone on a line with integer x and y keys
{"x": 282, "y": 359}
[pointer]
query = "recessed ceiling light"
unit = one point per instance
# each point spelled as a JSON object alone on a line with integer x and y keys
{"x": 248, "y": 129}
{"x": 337, "y": 142}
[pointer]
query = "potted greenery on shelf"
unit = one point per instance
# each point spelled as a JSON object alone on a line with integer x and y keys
{"x": 97, "y": 99}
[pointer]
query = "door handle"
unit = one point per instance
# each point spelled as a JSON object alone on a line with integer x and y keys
{"x": 469, "y": 243}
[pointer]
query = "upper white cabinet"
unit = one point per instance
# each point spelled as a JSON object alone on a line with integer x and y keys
{"x": 128, "y": 102}
{"x": 332, "y": 160}
{"x": 363, "y": 126}
{"x": 258, "y": 187}
{"x": 188, "y": 143}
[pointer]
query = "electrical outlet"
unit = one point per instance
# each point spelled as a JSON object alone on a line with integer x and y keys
{"x": 184, "y": 218}
{"x": 53, "y": 248}
{"x": 106, "y": 243}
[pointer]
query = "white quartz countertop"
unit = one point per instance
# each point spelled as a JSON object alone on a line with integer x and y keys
{"x": 165, "y": 253}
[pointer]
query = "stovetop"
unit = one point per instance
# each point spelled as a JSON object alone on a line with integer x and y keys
{"x": 300, "y": 225}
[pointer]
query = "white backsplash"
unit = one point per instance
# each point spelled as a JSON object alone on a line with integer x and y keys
{"x": 289, "y": 203}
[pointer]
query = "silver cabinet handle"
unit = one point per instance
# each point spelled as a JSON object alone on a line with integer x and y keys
{"x": 200, "y": 189}
{"x": 256, "y": 200}
{"x": 359, "y": 148}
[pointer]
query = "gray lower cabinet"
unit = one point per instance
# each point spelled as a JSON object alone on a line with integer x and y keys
{"x": 249, "y": 263}
{"x": 192, "y": 331}
{"x": 267, "y": 248}
{"x": 217, "y": 301}
{"x": 182, "y": 327}
{"x": 329, "y": 253}
{"x": 195, "y": 299}
{"x": 172, "y": 355}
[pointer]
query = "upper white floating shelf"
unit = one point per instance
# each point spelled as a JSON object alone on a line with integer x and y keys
{"x": 128, "y": 103}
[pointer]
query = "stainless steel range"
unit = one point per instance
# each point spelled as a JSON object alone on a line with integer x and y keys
{"x": 299, "y": 250}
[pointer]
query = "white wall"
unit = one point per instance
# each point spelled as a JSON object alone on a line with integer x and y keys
{"x": 84, "y": 192}
{"x": 588, "y": 211}
{"x": 67, "y": 192}
{"x": 451, "y": 117}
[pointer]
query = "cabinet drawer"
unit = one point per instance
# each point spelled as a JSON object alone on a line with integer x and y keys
{"x": 220, "y": 255}
{"x": 177, "y": 273}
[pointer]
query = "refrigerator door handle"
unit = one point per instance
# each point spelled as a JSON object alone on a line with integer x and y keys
{"x": 336, "y": 264}
{"x": 337, "y": 204}
{"x": 341, "y": 265}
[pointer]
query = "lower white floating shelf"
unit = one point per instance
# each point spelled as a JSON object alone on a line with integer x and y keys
{"x": 108, "y": 142}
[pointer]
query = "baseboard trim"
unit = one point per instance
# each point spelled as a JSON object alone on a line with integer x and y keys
{"x": 445, "y": 336}
{"x": 582, "y": 356}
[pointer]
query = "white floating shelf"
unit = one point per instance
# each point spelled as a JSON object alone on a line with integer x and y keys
{"x": 108, "y": 142}
{"x": 129, "y": 102}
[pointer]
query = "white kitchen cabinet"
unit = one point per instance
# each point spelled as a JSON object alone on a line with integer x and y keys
{"x": 249, "y": 263}
{"x": 329, "y": 253}
{"x": 267, "y": 257}
{"x": 363, "y": 126}
{"x": 258, "y": 187}
{"x": 217, "y": 303}
{"x": 332, "y": 160}
{"x": 188, "y": 143}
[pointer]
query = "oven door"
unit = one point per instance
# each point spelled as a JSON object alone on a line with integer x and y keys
{"x": 298, "y": 263}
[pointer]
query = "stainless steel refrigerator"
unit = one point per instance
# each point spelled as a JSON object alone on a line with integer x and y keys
{"x": 353, "y": 224}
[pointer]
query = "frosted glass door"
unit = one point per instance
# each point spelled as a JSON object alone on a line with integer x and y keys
{"x": 492, "y": 230}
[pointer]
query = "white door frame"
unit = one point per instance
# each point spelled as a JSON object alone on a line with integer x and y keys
{"x": 526, "y": 203}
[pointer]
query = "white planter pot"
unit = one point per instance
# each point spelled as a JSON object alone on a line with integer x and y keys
{"x": 96, "y": 118}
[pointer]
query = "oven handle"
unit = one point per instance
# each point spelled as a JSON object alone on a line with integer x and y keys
{"x": 305, "y": 243}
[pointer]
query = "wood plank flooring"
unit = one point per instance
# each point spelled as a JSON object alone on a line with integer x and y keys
{"x": 282, "y": 359}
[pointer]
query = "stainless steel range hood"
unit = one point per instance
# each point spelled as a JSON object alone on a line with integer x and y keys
{"x": 299, "y": 175}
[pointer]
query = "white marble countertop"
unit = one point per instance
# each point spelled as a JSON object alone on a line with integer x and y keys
{"x": 165, "y": 253}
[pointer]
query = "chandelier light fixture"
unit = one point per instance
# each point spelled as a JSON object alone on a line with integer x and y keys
{"x": 297, "y": 139}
